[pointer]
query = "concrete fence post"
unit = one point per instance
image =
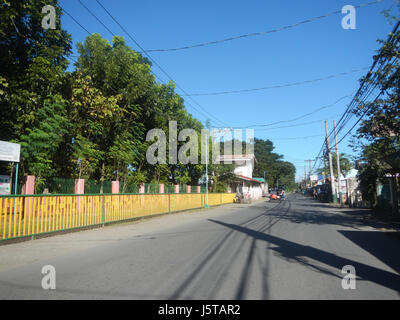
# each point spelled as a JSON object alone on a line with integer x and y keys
{"x": 79, "y": 186}
{"x": 114, "y": 186}
{"x": 115, "y": 190}
{"x": 79, "y": 189}
{"x": 141, "y": 188}
{"x": 27, "y": 188}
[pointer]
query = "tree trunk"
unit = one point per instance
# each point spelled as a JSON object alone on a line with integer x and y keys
{"x": 102, "y": 177}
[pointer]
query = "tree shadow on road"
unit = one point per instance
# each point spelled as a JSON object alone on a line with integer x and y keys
{"x": 298, "y": 252}
{"x": 230, "y": 243}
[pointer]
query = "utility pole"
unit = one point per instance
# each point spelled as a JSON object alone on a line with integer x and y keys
{"x": 305, "y": 178}
{"x": 206, "y": 205}
{"x": 265, "y": 184}
{"x": 330, "y": 163}
{"x": 310, "y": 172}
{"x": 337, "y": 163}
{"x": 207, "y": 140}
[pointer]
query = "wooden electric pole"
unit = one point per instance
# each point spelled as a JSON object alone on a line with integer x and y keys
{"x": 337, "y": 162}
{"x": 330, "y": 164}
{"x": 310, "y": 172}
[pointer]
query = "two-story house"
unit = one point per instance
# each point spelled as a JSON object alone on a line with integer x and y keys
{"x": 244, "y": 185}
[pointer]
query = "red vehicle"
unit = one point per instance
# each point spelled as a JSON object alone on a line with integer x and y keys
{"x": 273, "y": 195}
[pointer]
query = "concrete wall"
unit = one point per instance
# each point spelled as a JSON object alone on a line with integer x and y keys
{"x": 245, "y": 168}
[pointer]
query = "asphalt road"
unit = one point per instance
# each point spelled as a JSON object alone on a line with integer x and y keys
{"x": 295, "y": 249}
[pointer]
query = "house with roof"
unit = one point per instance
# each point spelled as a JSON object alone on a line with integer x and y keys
{"x": 244, "y": 185}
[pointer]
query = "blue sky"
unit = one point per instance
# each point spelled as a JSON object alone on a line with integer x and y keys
{"x": 309, "y": 51}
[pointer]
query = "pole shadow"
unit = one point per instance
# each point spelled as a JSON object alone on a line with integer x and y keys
{"x": 298, "y": 252}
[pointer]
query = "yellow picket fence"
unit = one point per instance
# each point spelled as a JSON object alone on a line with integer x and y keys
{"x": 23, "y": 216}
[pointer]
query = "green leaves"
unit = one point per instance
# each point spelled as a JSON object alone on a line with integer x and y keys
{"x": 276, "y": 171}
{"x": 42, "y": 140}
{"x": 90, "y": 123}
{"x": 345, "y": 165}
{"x": 379, "y": 132}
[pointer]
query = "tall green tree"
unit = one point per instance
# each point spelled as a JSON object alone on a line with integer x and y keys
{"x": 114, "y": 68}
{"x": 33, "y": 60}
{"x": 93, "y": 116}
{"x": 41, "y": 142}
{"x": 277, "y": 172}
{"x": 344, "y": 162}
{"x": 379, "y": 133}
{"x": 32, "y": 79}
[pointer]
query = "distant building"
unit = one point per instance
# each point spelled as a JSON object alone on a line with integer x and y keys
{"x": 245, "y": 185}
{"x": 244, "y": 163}
{"x": 264, "y": 186}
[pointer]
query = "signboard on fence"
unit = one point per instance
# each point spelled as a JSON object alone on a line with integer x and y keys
{"x": 9, "y": 151}
{"x": 5, "y": 185}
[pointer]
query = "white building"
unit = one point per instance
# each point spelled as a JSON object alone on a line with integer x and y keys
{"x": 245, "y": 185}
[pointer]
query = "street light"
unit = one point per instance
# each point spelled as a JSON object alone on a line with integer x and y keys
{"x": 208, "y": 129}
{"x": 207, "y": 141}
{"x": 225, "y": 130}
{"x": 206, "y": 204}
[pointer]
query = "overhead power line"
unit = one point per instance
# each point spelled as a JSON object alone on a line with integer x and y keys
{"x": 366, "y": 110}
{"x": 299, "y": 117}
{"x": 253, "y": 34}
{"x": 280, "y": 85}
{"x": 97, "y": 19}
{"x": 155, "y": 62}
{"x": 76, "y": 21}
{"x": 291, "y": 126}
{"x": 298, "y": 138}
{"x": 206, "y": 116}
{"x": 365, "y": 90}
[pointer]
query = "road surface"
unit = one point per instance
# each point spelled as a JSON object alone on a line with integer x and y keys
{"x": 295, "y": 249}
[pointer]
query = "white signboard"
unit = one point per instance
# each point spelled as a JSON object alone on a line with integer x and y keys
{"x": 5, "y": 186}
{"x": 9, "y": 151}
